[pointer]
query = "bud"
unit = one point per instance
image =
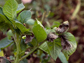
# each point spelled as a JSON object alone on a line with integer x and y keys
{"x": 24, "y": 37}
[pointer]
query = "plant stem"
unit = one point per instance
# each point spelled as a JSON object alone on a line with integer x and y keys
{"x": 43, "y": 16}
{"x": 76, "y": 10}
{"x": 17, "y": 39}
{"x": 28, "y": 54}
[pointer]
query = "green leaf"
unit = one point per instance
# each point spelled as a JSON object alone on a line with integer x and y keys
{"x": 9, "y": 34}
{"x": 52, "y": 48}
{"x": 56, "y": 24}
{"x": 2, "y": 17}
{"x": 5, "y": 43}
{"x": 1, "y": 11}
{"x": 4, "y": 26}
{"x": 71, "y": 39}
{"x": 38, "y": 22}
{"x": 24, "y": 16}
{"x": 20, "y": 7}
{"x": 10, "y": 8}
{"x": 34, "y": 42}
{"x": 44, "y": 47}
{"x": 39, "y": 33}
{"x": 62, "y": 58}
{"x": 50, "y": 30}
{"x": 21, "y": 27}
{"x": 4, "y": 22}
{"x": 30, "y": 22}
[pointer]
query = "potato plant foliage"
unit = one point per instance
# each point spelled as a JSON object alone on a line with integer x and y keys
{"x": 27, "y": 33}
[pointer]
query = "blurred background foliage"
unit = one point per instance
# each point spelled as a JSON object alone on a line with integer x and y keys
{"x": 52, "y": 13}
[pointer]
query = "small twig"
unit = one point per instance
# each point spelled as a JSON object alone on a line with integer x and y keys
{"x": 76, "y": 10}
{"x": 43, "y": 16}
{"x": 28, "y": 54}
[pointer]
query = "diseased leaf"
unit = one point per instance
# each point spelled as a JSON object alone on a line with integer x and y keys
{"x": 52, "y": 48}
{"x": 1, "y": 54}
{"x": 63, "y": 27}
{"x": 5, "y": 43}
{"x": 24, "y": 16}
{"x": 10, "y": 8}
{"x": 62, "y": 58}
{"x": 20, "y": 7}
{"x": 39, "y": 33}
{"x": 55, "y": 48}
{"x": 71, "y": 39}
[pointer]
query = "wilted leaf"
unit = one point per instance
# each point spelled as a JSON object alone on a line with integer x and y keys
{"x": 55, "y": 48}
{"x": 1, "y": 54}
{"x": 71, "y": 39}
{"x": 52, "y": 48}
{"x": 63, "y": 27}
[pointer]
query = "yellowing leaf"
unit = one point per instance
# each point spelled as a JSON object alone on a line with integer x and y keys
{"x": 1, "y": 54}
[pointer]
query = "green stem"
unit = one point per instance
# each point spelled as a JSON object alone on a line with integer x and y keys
{"x": 43, "y": 16}
{"x": 77, "y": 9}
{"x": 17, "y": 39}
{"x": 28, "y": 54}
